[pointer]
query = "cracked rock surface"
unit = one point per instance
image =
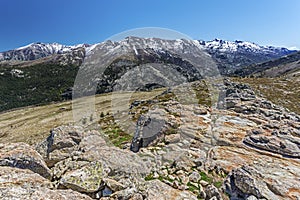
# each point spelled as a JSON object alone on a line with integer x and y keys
{"x": 247, "y": 150}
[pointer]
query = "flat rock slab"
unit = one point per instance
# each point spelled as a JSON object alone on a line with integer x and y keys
{"x": 274, "y": 176}
{"x": 159, "y": 190}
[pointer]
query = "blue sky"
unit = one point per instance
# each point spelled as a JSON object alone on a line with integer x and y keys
{"x": 266, "y": 22}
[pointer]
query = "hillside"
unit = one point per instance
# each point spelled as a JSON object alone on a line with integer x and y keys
{"x": 277, "y": 80}
{"x": 285, "y": 66}
{"x": 248, "y": 149}
{"x": 40, "y": 81}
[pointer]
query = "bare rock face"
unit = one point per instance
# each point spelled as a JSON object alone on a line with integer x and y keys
{"x": 158, "y": 190}
{"x": 257, "y": 123}
{"x": 60, "y": 144}
{"x": 285, "y": 147}
{"x": 119, "y": 161}
{"x": 86, "y": 179}
{"x": 174, "y": 138}
{"x": 66, "y": 165}
{"x": 24, "y": 184}
{"x": 94, "y": 148}
{"x": 72, "y": 142}
{"x": 230, "y": 130}
{"x": 23, "y": 156}
{"x": 58, "y": 195}
{"x": 257, "y": 174}
{"x": 245, "y": 182}
{"x": 85, "y": 163}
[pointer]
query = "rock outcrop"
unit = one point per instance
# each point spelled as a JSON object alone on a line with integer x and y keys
{"x": 23, "y": 156}
{"x": 249, "y": 149}
{"x": 60, "y": 144}
{"x": 149, "y": 129}
{"x": 24, "y": 184}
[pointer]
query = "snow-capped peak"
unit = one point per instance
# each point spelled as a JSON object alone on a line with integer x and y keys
{"x": 237, "y": 45}
{"x": 24, "y": 47}
{"x": 223, "y": 45}
{"x": 51, "y": 47}
{"x": 39, "y": 50}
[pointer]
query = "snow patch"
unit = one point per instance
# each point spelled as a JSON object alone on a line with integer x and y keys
{"x": 135, "y": 51}
{"x": 24, "y": 47}
{"x": 89, "y": 49}
{"x": 17, "y": 73}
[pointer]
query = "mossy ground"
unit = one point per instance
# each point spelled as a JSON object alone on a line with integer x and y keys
{"x": 113, "y": 132}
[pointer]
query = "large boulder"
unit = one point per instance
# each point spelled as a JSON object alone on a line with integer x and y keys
{"x": 86, "y": 179}
{"x": 120, "y": 161}
{"x": 212, "y": 193}
{"x": 23, "y": 156}
{"x": 149, "y": 129}
{"x": 60, "y": 144}
{"x": 23, "y": 184}
{"x": 245, "y": 182}
{"x": 92, "y": 167}
{"x": 72, "y": 142}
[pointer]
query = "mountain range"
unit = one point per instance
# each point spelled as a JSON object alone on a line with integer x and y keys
{"x": 229, "y": 55}
{"x": 40, "y": 72}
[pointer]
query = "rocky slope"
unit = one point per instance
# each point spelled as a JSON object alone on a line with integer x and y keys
{"x": 232, "y": 56}
{"x": 38, "y": 50}
{"x": 248, "y": 148}
{"x": 286, "y": 66}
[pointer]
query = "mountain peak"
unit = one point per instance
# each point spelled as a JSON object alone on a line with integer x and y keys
{"x": 38, "y": 50}
{"x": 216, "y": 47}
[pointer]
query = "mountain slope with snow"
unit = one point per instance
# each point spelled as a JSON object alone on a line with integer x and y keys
{"x": 39, "y": 50}
{"x": 236, "y": 46}
{"x": 231, "y": 56}
{"x": 40, "y": 73}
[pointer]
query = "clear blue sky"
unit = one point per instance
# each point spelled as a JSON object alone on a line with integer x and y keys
{"x": 266, "y": 22}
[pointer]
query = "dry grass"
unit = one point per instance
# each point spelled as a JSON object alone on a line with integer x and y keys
{"x": 32, "y": 124}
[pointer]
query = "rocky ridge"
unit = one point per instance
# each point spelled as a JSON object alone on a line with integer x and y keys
{"x": 248, "y": 148}
{"x": 38, "y": 50}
